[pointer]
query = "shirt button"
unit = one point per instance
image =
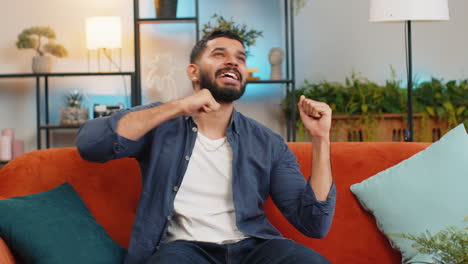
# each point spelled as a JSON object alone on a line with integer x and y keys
{"x": 175, "y": 189}
{"x": 187, "y": 157}
{"x": 117, "y": 148}
{"x": 157, "y": 248}
{"x": 169, "y": 218}
{"x": 194, "y": 129}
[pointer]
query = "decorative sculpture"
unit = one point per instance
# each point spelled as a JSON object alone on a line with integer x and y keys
{"x": 276, "y": 57}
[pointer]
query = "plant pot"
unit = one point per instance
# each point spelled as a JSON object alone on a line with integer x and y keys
{"x": 73, "y": 116}
{"x": 386, "y": 128}
{"x": 166, "y": 8}
{"x": 41, "y": 64}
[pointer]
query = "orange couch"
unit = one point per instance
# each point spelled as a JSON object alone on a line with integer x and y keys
{"x": 111, "y": 192}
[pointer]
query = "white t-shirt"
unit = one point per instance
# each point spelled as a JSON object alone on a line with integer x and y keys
{"x": 203, "y": 206}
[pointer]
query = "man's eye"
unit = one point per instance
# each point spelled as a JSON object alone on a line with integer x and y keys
{"x": 218, "y": 54}
{"x": 242, "y": 59}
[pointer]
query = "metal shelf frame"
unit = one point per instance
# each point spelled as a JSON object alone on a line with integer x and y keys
{"x": 289, "y": 82}
{"x": 137, "y": 22}
{"x": 45, "y": 78}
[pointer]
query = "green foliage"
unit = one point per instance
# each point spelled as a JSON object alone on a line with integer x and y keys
{"x": 74, "y": 99}
{"x": 362, "y": 97}
{"x": 394, "y": 97}
{"x": 32, "y": 38}
{"x": 357, "y": 96}
{"x": 249, "y": 36}
{"x": 444, "y": 101}
{"x": 448, "y": 246}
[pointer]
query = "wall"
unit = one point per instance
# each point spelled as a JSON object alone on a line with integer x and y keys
{"x": 163, "y": 76}
{"x": 17, "y": 96}
{"x": 67, "y": 18}
{"x": 333, "y": 38}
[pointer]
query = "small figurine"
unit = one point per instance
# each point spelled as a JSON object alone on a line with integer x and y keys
{"x": 276, "y": 57}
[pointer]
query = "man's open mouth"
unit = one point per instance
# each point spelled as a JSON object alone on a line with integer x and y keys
{"x": 229, "y": 74}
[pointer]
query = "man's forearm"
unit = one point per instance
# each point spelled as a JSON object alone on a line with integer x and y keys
{"x": 136, "y": 124}
{"x": 321, "y": 180}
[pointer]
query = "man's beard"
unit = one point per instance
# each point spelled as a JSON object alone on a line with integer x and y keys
{"x": 225, "y": 94}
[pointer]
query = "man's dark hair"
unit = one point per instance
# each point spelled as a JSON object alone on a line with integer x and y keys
{"x": 201, "y": 44}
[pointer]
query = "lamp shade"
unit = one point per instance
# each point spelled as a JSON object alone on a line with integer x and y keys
{"x": 103, "y": 32}
{"x": 408, "y": 10}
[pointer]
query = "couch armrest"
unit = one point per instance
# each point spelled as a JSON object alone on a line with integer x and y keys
{"x": 5, "y": 254}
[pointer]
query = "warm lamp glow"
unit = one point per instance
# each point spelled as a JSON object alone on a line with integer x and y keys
{"x": 408, "y": 10}
{"x": 103, "y": 32}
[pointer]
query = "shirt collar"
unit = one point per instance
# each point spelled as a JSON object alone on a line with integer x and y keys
{"x": 232, "y": 122}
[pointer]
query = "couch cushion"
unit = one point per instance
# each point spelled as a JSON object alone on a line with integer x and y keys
{"x": 424, "y": 192}
{"x": 55, "y": 226}
{"x": 110, "y": 190}
{"x": 5, "y": 254}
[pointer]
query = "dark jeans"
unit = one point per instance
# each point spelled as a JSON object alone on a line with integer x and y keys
{"x": 248, "y": 251}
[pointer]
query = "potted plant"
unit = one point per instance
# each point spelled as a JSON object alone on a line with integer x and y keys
{"x": 359, "y": 105}
{"x": 41, "y": 39}
{"x": 366, "y": 111}
{"x": 74, "y": 114}
{"x": 436, "y": 100}
{"x": 249, "y": 36}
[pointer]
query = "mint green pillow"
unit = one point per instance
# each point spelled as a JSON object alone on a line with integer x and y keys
{"x": 428, "y": 191}
{"x": 55, "y": 227}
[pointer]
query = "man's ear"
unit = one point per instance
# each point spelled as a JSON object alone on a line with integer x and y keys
{"x": 193, "y": 72}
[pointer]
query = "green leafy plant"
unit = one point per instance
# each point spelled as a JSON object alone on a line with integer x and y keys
{"x": 448, "y": 246}
{"x": 443, "y": 101}
{"x": 249, "y": 36}
{"x": 358, "y": 96}
{"x": 74, "y": 99}
{"x": 366, "y": 100}
{"x": 36, "y": 37}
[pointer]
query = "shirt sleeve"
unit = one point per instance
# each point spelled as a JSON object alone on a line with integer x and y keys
{"x": 295, "y": 198}
{"x": 98, "y": 140}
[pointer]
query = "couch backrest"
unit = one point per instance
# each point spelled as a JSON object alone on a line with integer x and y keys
{"x": 354, "y": 236}
{"x": 111, "y": 191}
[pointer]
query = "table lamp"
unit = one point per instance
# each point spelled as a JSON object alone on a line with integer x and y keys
{"x": 104, "y": 34}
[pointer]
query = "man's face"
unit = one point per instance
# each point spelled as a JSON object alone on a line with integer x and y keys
{"x": 223, "y": 69}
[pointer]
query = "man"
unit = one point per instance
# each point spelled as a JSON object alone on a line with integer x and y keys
{"x": 207, "y": 170}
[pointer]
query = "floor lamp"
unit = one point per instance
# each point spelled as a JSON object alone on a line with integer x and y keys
{"x": 407, "y": 11}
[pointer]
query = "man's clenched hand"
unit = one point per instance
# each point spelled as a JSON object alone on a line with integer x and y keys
{"x": 200, "y": 102}
{"x": 316, "y": 117}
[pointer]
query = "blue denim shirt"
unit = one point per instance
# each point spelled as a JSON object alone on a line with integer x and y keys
{"x": 263, "y": 165}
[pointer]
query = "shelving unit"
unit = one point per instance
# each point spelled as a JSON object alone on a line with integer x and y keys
{"x": 137, "y": 22}
{"x": 271, "y": 81}
{"x": 167, "y": 20}
{"x": 45, "y": 77}
{"x": 289, "y": 82}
